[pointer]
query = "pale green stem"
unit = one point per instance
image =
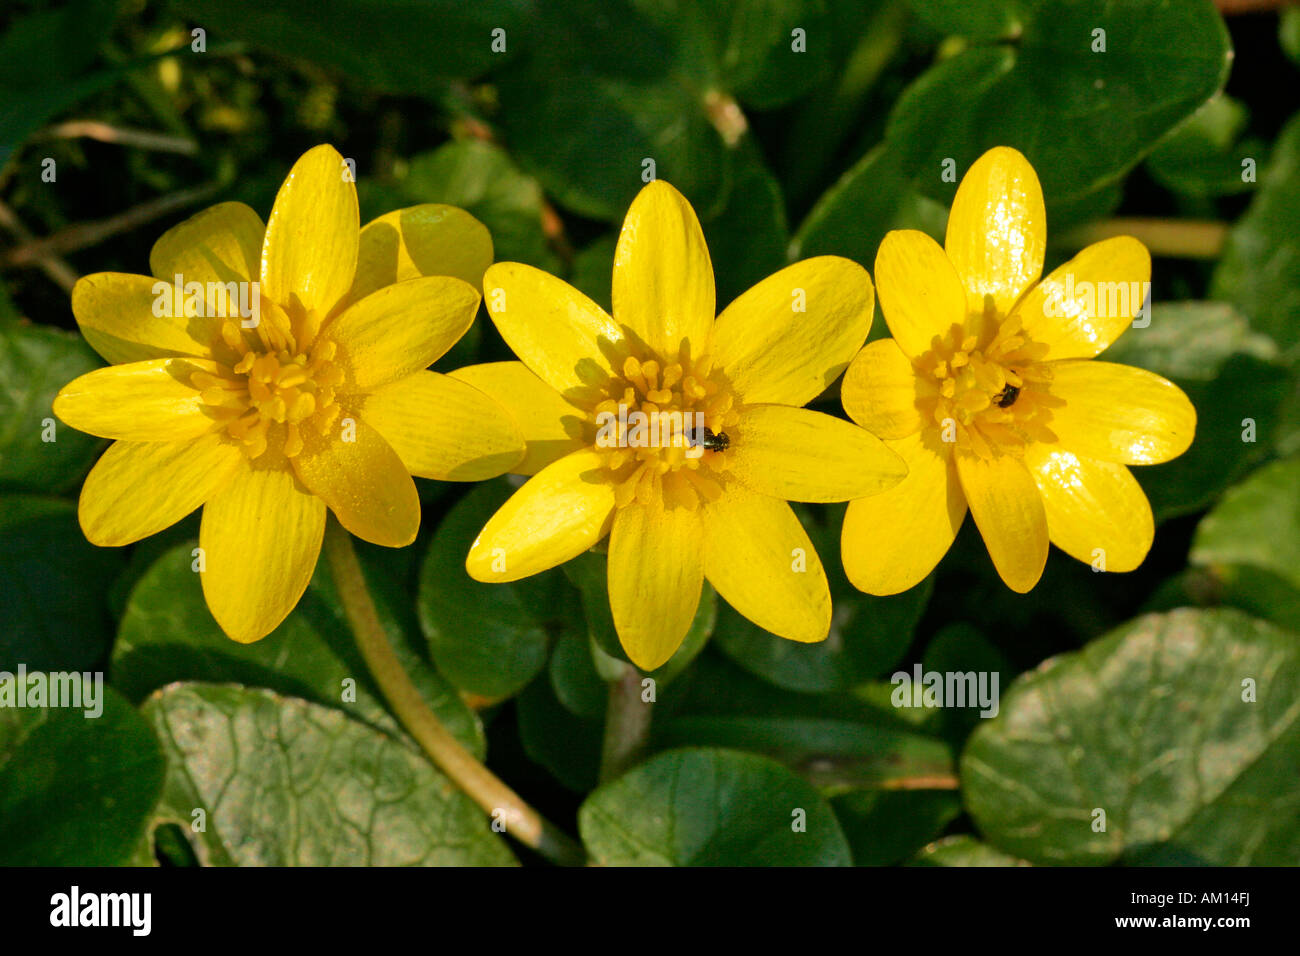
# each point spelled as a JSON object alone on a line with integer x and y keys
{"x": 1172, "y": 238}
{"x": 627, "y": 724}
{"x": 482, "y": 786}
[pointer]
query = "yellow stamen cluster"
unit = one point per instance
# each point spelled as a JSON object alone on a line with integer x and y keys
{"x": 273, "y": 389}
{"x": 663, "y": 461}
{"x": 993, "y": 396}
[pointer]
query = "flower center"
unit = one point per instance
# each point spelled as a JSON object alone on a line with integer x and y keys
{"x": 662, "y": 430}
{"x": 991, "y": 398}
{"x": 274, "y": 389}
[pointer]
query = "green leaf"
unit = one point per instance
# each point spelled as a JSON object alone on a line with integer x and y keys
{"x": 868, "y": 635}
{"x": 593, "y": 271}
{"x": 963, "y": 850}
{"x": 753, "y": 54}
{"x": 1231, "y": 375}
{"x": 167, "y": 634}
{"x": 1239, "y": 409}
{"x": 1190, "y": 341}
{"x": 1203, "y": 157}
{"x": 887, "y": 826}
{"x": 961, "y": 649}
{"x": 1260, "y": 268}
{"x": 53, "y": 587}
{"x": 705, "y": 807}
{"x": 1289, "y": 32}
{"x": 574, "y": 678}
{"x": 989, "y": 20}
{"x": 567, "y": 745}
{"x": 838, "y": 741}
{"x": 588, "y": 573}
{"x": 1262, "y": 594}
{"x": 1083, "y": 118}
{"x": 836, "y": 755}
{"x": 285, "y": 782}
{"x": 613, "y": 84}
{"x": 35, "y": 362}
{"x": 747, "y": 240}
{"x": 45, "y": 60}
{"x": 488, "y": 639}
{"x": 1183, "y": 728}
{"x": 636, "y": 80}
{"x": 1256, "y": 523}
{"x": 482, "y": 179}
{"x": 75, "y": 790}
{"x": 869, "y": 200}
{"x": 397, "y": 46}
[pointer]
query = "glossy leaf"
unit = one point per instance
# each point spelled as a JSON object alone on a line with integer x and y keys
{"x": 284, "y": 782}
{"x": 1051, "y": 91}
{"x": 1181, "y": 728}
{"x": 53, "y": 587}
{"x": 1260, "y": 268}
{"x": 37, "y": 451}
{"x": 75, "y": 789}
{"x": 167, "y": 634}
{"x": 706, "y": 807}
{"x": 488, "y": 639}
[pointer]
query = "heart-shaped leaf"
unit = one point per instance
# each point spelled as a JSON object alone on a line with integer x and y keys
{"x": 256, "y": 779}
{"x": 1172, "y": 740}
{"x": 706, "y": 807}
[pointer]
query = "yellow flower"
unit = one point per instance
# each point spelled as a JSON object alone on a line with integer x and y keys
{"x": 270, "y": 372}
{"x": 682, "y": 508}
{"x": 987, "y": 391}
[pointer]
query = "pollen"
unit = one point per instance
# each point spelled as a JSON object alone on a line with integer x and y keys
{"x": 649, "y": 422}
{"x": 991, "y": 397}
{"x": 272, "y": 390}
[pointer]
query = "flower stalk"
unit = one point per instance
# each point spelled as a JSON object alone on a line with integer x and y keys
{"x": 1170, "y": 238}
{"x": 482, "y": 786}
{"x": 627, "y": 725}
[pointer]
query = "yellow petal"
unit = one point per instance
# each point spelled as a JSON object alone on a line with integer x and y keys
{"x": 1008, "y": 509}
{"x": 1119, "y": 413}
{"x": 892, "y": 540}
{"x": 758, "y": 556}
{"x": 220, "y": 245}
{"x": 139, "y": 488}
{"x": 656, "y": 572}
{"x": 401, "y": 329}
{"x": 551, "y": 426}
{"x": 560, "y": 334}
{"x": 130, "y": 318}
{"x": 801, "y": 455}
{"x": 1084, "y": 305}
{"x": 997, "y": 230}
{"x": 921, "y": 294}
{"x": 142, "y": 401}
{"x": 309, "y": 255}
{"x": 561, "y": 512}
{"x": 426, "y": 240}
{"x": 1092, "y": 505}
{"x": 790, "y": 336}
{"x": 363, "y": 481}
{"x": 880, "y": 391}
{"x": 663, "y": 279}
{"x": 260, "y": 535}
{"x": 443, "y": 428}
